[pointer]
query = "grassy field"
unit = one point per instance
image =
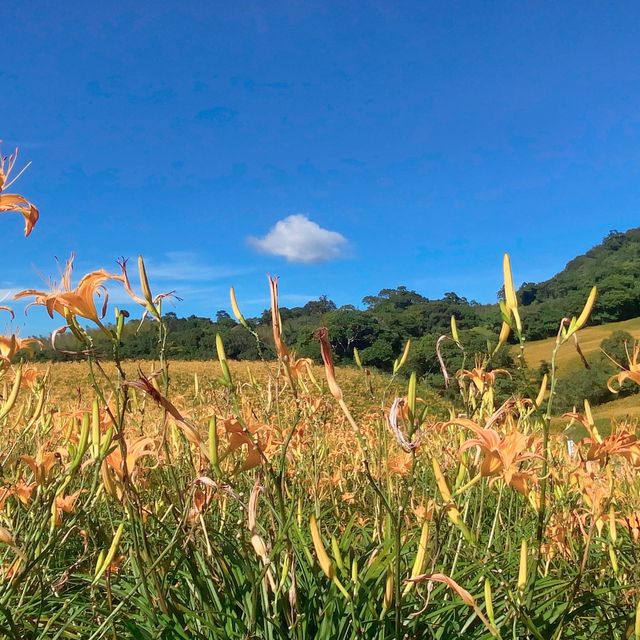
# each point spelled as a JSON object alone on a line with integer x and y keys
{"x": 538, "y": 351}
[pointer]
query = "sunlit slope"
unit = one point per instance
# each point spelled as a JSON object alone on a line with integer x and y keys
{"x": 589, "y": 338}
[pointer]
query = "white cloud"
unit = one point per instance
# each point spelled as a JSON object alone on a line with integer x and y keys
{"x": 299, "y": 239}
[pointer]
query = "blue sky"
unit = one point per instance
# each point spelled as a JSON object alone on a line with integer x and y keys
{"x": 346, "y": 147}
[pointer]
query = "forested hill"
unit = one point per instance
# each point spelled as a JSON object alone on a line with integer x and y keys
{"x": 613, "y": 266}
{"x": 388, "y": 319}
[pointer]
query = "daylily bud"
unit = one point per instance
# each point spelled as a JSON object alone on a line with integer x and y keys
{"x": 522, "y": 571}
{"x": 488, "y": 601}
{"x": 504, "y": 334}
{"x": 454, "y": 329}
{"x": 420, "y": 556}
{"x": 543, "y": 390}
{"x": 101, "y": 569}
{"x": 586, "y": 312}
{"x": 236, "y": 309}
{"x": 411, "y": 395}
{"x": 144, "y": 281}
{"x": 509, "y": 290}
{"x": 398, "y": 364}
{"x": 388, "y": 591}
{"x": 323, "y": 558}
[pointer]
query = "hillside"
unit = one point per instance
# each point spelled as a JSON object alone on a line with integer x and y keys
{"x": 575, "y": 382}
{"x": 613, "y": 266}
{"x": 539, "y": 351}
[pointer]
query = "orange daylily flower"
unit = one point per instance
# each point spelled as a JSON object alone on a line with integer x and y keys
{"x": 399, "y": 464}
{"x": 65, "y": 504}
{"x": 480, "y": 378}
{"x": 502, "y": 455}
{"x": 23, "y": 491}
{"x": 632, "y": 523}
{"x": 135, "y": 451}
{"x": 42, "y": 464}
{"x": 424, "y": 511}
{"x": 30, "y": 377}
{"x": 619, "y": 442}
{"x": 10, "y": 345}
{"x": 80, "y": 301}
{"x": 13, "y": 201}
{"x": 561, "y": 531}
{"x": 595, "y": 492}
{"x": 114, "y": 467}
{"x": 298, "y": 365}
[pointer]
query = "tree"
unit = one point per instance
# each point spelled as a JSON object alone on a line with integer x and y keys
{"x": 618, "y": 347}
{"x": 349, "y": 329}
{"x": 389, "y": 300}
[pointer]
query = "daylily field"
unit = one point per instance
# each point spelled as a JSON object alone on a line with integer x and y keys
{"x": 283, "y": 499}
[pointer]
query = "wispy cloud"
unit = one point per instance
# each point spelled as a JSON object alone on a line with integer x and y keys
{"x": 7, "y": 294}
{"x": 299, "y": 239}
{"x": 186, "y": 266}
{"x": 286, "y": 297}
{"x": 186, "y": 274}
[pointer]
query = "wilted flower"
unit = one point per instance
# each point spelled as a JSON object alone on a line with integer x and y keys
{"x": 327, "y": 357}
{"x": 276, "y": 321}
{"x": 251, "y": 438}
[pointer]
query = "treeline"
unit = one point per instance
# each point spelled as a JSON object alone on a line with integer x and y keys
{"x": 379, "y": 331}
{"x": 387, "y": 320}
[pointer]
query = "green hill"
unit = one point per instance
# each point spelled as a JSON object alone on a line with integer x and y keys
{"x": 577, "y": 382}
{"x": 613, "y": 266}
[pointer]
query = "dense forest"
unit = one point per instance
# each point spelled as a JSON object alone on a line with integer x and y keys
{"x": 384, "y": 323}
